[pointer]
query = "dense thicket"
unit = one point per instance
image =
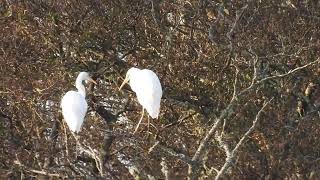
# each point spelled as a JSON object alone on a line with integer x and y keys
{"x": 201, "y": 50}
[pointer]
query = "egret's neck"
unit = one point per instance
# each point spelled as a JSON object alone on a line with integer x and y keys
{"x": 80, "y": 87}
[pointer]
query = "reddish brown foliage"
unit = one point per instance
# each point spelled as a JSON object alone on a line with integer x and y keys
{"x": 195, "y": 47}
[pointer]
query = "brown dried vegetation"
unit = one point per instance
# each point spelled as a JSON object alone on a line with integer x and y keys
{"x": 202, "y": 52}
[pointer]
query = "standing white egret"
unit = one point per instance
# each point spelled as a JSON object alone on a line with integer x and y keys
{"x": 145, "y": 83}
{"x": 74, "y": 105}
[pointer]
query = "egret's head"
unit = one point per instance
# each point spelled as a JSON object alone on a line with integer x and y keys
{"x": 129, "y": 74}
{"x": 84, "y": 76}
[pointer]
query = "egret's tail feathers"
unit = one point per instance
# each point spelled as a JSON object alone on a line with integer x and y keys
{"x": 74, "y": 125}
{"x": 153, "y": 112}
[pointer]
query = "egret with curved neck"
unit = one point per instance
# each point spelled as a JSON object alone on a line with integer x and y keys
{"x": 146, "y": 84}
{"x": 74, "y": 105}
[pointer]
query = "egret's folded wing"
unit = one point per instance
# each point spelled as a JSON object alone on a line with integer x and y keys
{"x": 74, "y": 108}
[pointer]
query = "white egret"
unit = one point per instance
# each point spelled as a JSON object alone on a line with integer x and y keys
{"x": 74, "y": 105}
{"x": 145, "y": 83}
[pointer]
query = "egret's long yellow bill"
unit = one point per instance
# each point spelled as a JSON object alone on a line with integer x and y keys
{"x": 91, "y": 80}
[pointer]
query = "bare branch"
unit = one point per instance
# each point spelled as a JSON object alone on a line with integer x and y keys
{"x": 164, "y": 169}
{"x": 230, "y": 156}
{"x": 238, "y": 16}
{"x": 89, "y": 151}
{"x": 235, "y": 83}
{"x": 179, "y": 121}
{"x": 134, "y": 168}
{"x": 193, "y": 171}
{"x": 159, "y": 149}
{"x": 42, "y": 172}
{"x": 225, "y": 146}
{"x": 288, "y": 73}
{"x": 231, "y": 32}
{"x": 255, "y": 68}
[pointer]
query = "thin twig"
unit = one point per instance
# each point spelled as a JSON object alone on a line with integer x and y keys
{"x": 133, "y": 167}
{"x": 42, "y": 172}
{"x": 231, "y": 32}
{"x": 179, "y": 121}
{"x": 235, "y": 83}
{"x": 157, "y": 148}
{"x": 231, "y": 155}
{"x": 164, "y": 169}
{"x": 193, "y": 170}
{"x": 289, "y": 73}
{"x": 88, "y": 150}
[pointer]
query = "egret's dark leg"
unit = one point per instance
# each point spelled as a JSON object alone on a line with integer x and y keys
{"x": 139, "y": 121}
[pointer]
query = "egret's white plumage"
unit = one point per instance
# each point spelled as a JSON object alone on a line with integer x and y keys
{"x": 74, "y": 105}
{"x": 145, "y": 83}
